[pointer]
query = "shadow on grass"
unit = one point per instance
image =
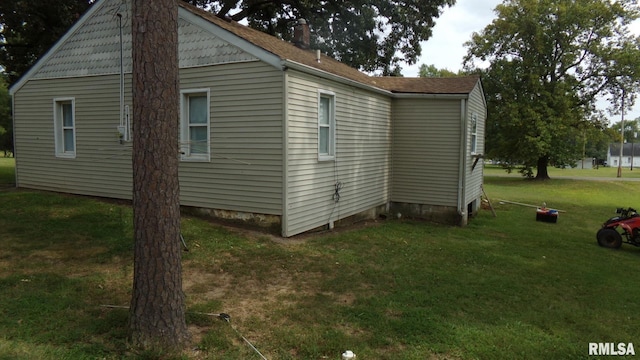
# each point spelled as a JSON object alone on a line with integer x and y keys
{"x": 60, "y": 313}
{"x": 64, "y": 225}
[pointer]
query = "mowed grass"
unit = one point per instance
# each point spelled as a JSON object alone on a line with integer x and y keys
{"x": 501, "y": 288}
{"x": 600, "y": 172}
{"x": 7, "y": 171}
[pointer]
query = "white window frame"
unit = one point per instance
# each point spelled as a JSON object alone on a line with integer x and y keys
{"x": 331, "y": 154}
{"x": 474, "y": 133}
{"x": 185, "y": 126}
{"x": 59, "y": 127}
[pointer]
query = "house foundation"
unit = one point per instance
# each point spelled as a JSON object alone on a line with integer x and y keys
{"x": 264, "y": 222}
{"x": 438, "y": 214}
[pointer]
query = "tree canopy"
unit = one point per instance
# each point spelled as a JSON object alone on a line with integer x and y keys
{"x": 432, "y": 71}
{"x": 6, "y": 127}
{"x": 371, "y": 35}
{"x": 549, "y": 61}
{"x": 30, "y": 28}
{"x": 631, "y": 130}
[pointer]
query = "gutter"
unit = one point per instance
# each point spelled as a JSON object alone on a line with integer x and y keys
{"x": 430, "y": 96}
{"x": 284, "y": 221}
{"x": 327, "y": 75}
{"x": 462, "y": 174}
{"x": 290, "y": 64}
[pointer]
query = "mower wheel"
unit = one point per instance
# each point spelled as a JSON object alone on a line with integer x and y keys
{"x": 609, "y": 238}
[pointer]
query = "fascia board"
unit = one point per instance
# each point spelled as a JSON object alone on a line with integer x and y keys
{"x": 430, "y": 96}
{"x": 327, "y": 75}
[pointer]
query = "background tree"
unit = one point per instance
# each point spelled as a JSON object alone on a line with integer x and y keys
{"x": 6, "y": 125}
{"x": 631, "y": 131}
{"x": 433, "y": 71}
{"x": 29, "y": 28}
{"x": 549, "y": 62}
{"x": 157, "y": 318}
{"x": 371, "y": 35}
{"x": 597, "y": 142}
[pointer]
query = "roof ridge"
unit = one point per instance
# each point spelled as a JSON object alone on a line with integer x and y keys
{"x": 289, "y": 52}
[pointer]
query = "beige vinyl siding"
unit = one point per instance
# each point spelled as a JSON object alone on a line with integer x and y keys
{"x": 362, "y": 162}
{"x": 474, "y": 177}
{"x": 426, "y": 151}
{"x": 102, "y": 167}
{"x": 245, "y": 172}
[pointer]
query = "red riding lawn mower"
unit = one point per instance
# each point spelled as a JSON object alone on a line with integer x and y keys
{"x": 626, "y": 224}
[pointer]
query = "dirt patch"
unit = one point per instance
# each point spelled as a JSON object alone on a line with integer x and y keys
{"x": 241, "y": 297}
{"x": 205, "y": 285}
{"x": 257, "y": 234}
{"x": 4, "y": 264}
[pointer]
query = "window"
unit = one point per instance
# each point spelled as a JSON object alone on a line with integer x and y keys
{"x": 64, "y": 127}
{"x": 194, "y": 125}
{"x": 474, "y": 133}
{"x": 326, "y": 125}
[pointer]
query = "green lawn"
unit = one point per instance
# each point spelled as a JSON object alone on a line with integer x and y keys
{"x": 501, "y": 288}
{"x": 601, "y": 172}
{"x": 7, "y": 171}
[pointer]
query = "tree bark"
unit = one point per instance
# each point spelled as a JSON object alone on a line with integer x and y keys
{"x": 157, "y": 312}
{"x": 542, "y": 168}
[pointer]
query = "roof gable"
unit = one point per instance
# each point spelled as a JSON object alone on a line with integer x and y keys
{"x": 286, "y": 51}
{"x": 36, "y": 67}
{"x": 92, "y": 47}
{"x": 282, "y": 49}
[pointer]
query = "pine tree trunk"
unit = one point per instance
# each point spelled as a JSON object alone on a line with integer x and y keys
{"x": 543, "y": 164}
{"x": 156, "y": 319}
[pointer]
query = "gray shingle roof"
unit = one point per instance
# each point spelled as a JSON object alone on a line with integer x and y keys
{"x": 445, "y": 85}
{"x": 614, "y": 149}
{"x": 287, "y": 51}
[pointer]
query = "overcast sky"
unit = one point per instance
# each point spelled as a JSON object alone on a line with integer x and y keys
{"x": 454, "y": 27}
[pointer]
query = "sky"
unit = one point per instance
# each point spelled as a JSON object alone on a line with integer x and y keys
{"x": 454, "y": 27}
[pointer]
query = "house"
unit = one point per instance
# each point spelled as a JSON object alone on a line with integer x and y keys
{"x": 630, "y": 155}
{"x": 271, "y": 132}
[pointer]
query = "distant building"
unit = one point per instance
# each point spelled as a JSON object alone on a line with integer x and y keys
{"x": 586, "y": 163}
{"x": 630, "y": 155}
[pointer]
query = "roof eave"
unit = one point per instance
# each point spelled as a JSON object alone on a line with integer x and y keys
{"x": 286, "y": 63}
{"x": 430, "y": 96}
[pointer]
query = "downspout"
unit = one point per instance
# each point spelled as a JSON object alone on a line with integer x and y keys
{"x": 122, "y": 127}
{"x": 462, "y": 173}
{"x": 392, "y": 142}
{"x": 284, "y": 223}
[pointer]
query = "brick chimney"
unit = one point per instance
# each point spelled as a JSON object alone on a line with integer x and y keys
{"x": 301, "y": 34}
